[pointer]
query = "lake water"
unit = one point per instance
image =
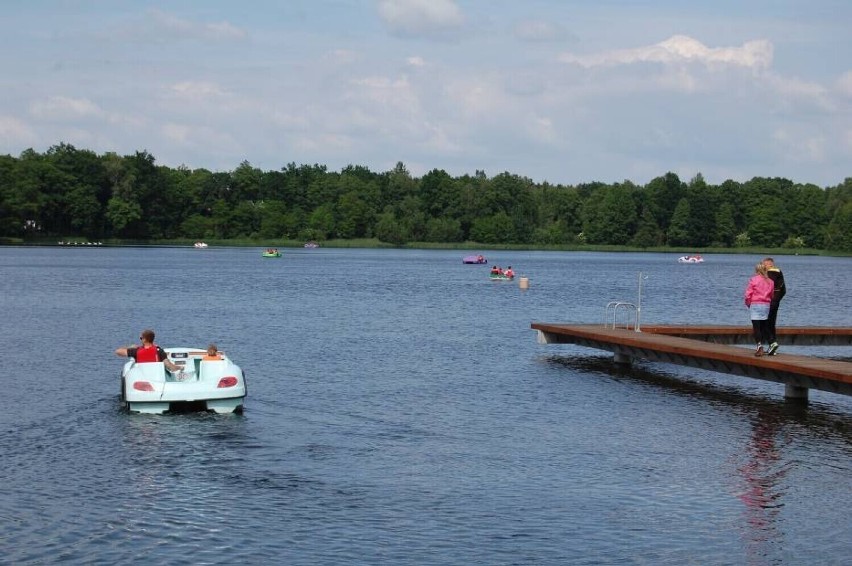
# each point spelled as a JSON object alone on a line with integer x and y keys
{"x": 400, "y": 411}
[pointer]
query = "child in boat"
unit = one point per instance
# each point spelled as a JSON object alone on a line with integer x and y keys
{"x": 495, "y": 270}
{"x": 509, "y": 272}
{"x": 212, "y": 354}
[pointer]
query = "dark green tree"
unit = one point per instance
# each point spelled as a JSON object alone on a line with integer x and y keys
{"x": 839, "y": 231}
{"x": 726, "y": 228}
{"x": 439, "y": 194}
{"x": 321, "y": 221}
{"x": 679, "y": 232}
{"x": 495, "y": 229}
{"x": 664, "y": 193}
{"x": 702, "y": 212}
{"x": 443, "y": 230}
{"x": 390, "y": 229}
{"x": 609, "y": 215}
{"x": 648, "y": 234}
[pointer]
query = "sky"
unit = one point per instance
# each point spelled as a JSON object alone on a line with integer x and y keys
{"x": 564, "y": 92}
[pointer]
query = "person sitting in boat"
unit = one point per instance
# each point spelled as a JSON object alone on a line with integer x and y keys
{"x": 509, "y": 272}
{"x": 495, "y": 270}
{"x": 147, "y": 352}
{"x": 213, "y": 354}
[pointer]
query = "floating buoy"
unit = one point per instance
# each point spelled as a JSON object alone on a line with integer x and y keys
{"x": 524, "y": 283}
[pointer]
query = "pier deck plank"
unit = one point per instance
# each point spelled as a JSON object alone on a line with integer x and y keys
{"x": 667, "y": 344}
{"x": 787, "y": 335}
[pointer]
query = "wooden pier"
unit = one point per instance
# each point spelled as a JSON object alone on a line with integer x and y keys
{"x": 711, "y": 348}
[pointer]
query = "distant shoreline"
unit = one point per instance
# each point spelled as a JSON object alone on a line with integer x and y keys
{"x": 459, "y": 246}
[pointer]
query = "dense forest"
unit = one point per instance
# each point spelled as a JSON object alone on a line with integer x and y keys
{"x": 68, "y": 192}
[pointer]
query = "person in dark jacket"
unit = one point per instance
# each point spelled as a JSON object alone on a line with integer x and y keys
{"x": 780, "y": 290}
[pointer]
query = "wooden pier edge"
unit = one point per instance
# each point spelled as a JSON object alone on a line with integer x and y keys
{"x": 711, "y": 348}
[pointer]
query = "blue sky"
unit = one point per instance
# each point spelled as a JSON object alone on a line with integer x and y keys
{"x": 558, "y": 91}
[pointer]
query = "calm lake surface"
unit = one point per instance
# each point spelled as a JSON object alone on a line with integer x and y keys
{"x": 400, "y": 411}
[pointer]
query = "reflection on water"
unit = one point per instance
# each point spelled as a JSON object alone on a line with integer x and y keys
{"x": 763, "y": 473}
{"x": 766, "y": 458}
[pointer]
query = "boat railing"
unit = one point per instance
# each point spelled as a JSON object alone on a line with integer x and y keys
{"x": 619, "y": 313}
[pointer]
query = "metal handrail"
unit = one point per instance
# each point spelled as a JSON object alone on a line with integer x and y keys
{"x": 629, "y": 309}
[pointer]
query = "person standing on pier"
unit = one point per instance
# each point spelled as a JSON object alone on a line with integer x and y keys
{"x": 780, "y": 290}
{"x": 758, "y": 296}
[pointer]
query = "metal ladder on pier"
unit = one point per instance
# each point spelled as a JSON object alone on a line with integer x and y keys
{"x": 630, "y": 311}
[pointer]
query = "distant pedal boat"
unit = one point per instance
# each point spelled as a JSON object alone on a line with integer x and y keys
{"x": 216, "y": 385}
{"x": 690, "y": 259}
{"x": 474, "y": 259}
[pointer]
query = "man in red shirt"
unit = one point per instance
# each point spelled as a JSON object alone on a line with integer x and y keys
{"x": 147, "y": 352}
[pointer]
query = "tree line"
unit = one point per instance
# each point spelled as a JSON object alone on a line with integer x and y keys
{"x": 70, "y": 192}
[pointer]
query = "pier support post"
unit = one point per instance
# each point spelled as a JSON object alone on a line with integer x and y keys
{"x": 622, "y": 359}
{"x": 795, "y": 393}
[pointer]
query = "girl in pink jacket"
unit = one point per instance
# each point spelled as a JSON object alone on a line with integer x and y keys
{"x": 758, "y": 295}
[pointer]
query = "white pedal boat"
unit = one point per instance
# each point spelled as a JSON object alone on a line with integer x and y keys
{"x": 216, "y": 385}
{"x": 690, "y": 259}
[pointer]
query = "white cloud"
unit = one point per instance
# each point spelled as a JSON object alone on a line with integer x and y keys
{"x": 341, "y": 56}
{"x": 176, "y": 132}
{"x": 800, "y": 146}
{"x": 476, "y": 96}
{"x": 539, "y": 30}
{"x": 388, "y": 92}
{"x": 323, "y": 141}
{"x": 415, "y": 62}
{"x": 679, "y": 80}
{"x": 542, "y": 129}
{"x": 681, "y": 49}
{"x": 844, "y": 84}
{"x": 439, "y": 140}
{"x": 421, "y": 18}
{"x": 210, "y": 139}
{"x": 15, "y": 133}
{"x": 172, "y": 25}
{"x": 290, "y": 121}
{"x": 65, "y": 108}
{"x": 794, "y": 91}
{"x": 197, "y": 90}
